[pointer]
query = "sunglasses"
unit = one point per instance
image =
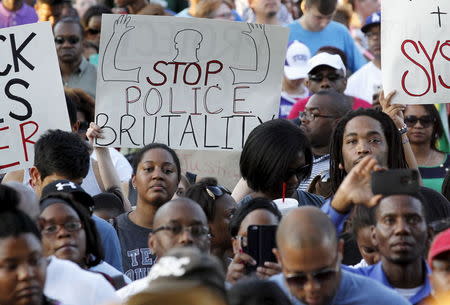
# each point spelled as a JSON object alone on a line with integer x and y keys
{"x": 70, "y": 39}
{"x": 332, "y": 77}
{"x": 301, "y": 173}
{"x": 93, "y": 31}
{"x": 425, "y": 121}
{"x": 216, "y": 191}
{"x": 299, "y": 280}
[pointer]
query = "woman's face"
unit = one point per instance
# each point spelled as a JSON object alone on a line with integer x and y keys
{"x": 63, "y": 234}
{"x": 225, "y": 207}
{"x": 223, "y": 12}
{"x": 156, "y": 178}
{"x": 22, "y": 270}
{"x": 256, "y": 217}
{"x": 293, "y": 176}
{"x": 420, "y": 125}
{"x": 93, "y": 29}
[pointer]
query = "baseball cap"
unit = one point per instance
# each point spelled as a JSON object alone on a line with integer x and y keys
{"x": 441, "y": 244}
{"x": 296, "y": 63}
{"x": 66, "y": 186}
{"x": 373, "y": 19}
{"x": 186, "y": 266}
{"x": 326, "y": 59}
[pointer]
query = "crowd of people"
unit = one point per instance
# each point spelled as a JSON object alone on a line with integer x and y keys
{"x": 89, "y": 225}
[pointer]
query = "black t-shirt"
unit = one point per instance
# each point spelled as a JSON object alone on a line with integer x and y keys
{"x": 137, "y": 258}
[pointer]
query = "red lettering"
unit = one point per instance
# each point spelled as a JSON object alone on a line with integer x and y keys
{"x": 27, "y": 139}
{"x": 175, "y": 69}
{"x": 2, "y": 166}
{"x": 431, "y": 62}
{"x": 205, "y": 104}
{"x": 441, "y": 81}
{"x": 158, "y": 71}
{"x": 416, "y": 63}
{"x": 208, "y": 71}
{"x": 199, "y": 74}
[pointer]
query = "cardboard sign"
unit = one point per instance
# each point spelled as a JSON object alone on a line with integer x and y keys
{"x": 416, "y": 50}
{"x": 31, "y": 92}
{"x": 186, "y": 82}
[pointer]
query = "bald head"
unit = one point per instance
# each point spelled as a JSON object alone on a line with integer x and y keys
{"x": 305, "y": 227}
{"x": 332, "y": 102}
{"x": 172, "y": 207}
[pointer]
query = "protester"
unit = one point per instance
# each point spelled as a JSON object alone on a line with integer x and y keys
{"x": 16, "y": 12}
{"x": 276, "y": 158}
{"x": 187, "y": 265}
{"x": 256, "y": 292}
{"x": 69, "y": 233}
{"x": 131, "y": 6}
{"x": 316, "y": 29}
{"x": 424, "y": 129}
{"x": 439, "y": 262}
{"x": 295, "y": 72}
{"x": 156, "y": 174}
{"x": 49, "y": 10}
{"x": 108, "y": 205}
{"x": 311, "y": 265}
{"x": 22, "y": 263}
{"x": 322, "y": 112}
{"x": 182, "y": 187}
{"x": 326, "y": 72}
{"x": 76, "y": 71}
{"x": 91, "y": 21}
{"x": 82, "y": 6}
{"x": 257, "y": 211}
{"x": 213, "y": 9}
{"x": 219, "y": 207}
{"x": 265, "y": 11}
{"x": 366, "y": 82}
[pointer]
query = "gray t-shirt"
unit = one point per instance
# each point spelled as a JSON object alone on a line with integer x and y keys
{"x": 136, "y": 256}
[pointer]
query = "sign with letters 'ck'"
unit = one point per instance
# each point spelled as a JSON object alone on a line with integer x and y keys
{"x": 186, "y": 82}
{"x": 31, "y": 92}
{"x": 415, "y": 55}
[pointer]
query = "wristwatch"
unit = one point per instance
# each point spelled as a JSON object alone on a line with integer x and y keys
{"x": 403, "y": 130}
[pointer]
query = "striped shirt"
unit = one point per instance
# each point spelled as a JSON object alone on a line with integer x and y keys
{"x": 320, "y": 164}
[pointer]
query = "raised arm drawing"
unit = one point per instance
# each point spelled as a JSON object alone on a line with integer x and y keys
{"x": 256, "y": 73}
{"x": 109, "y": 67}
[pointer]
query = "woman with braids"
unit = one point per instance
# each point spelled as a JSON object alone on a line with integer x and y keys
{"x": 69, "y": 233}
{"x": 22, "y": 263}
{"x": 219, "y": 207}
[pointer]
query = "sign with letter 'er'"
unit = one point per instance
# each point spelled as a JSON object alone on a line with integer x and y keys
{"x": 415, "y": 44}
{"x": 186, "y": 82}
{"x": 31, "y": 92}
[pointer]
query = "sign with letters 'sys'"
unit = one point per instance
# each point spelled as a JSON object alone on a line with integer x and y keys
{"x": 186, "y": 82}
{"x": 31, "y": 92}
{"x": 416, "y": 50}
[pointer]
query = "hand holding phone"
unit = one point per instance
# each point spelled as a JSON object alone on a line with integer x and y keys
{"x": 395, "y": 181}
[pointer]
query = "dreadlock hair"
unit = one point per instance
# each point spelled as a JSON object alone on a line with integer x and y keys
{"x": 14, "y": 221}
{"x": 396, "y": 156}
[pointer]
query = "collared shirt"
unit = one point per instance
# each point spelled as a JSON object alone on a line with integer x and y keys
{"x": 26, "y": 14}
{"x": 85, "y": 78}
{"x": 353, "y": 289}
{"x": 376, "y": 272}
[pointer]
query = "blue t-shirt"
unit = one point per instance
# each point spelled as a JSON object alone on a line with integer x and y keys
{"x": 110, "y": 242}
{"x": 334, "y": 34}
{"x": 353, "y": 290}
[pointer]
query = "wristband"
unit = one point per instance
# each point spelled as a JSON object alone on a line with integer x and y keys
{"x": 403, "y": 130}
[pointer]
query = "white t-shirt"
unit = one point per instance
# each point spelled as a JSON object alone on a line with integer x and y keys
{"x": 364, "y": 82}
{"x": 408, "y": 293}
{"x": 71, "y": 285}
{"x": 106, "y": 268}
{"x": 121, "y": 164}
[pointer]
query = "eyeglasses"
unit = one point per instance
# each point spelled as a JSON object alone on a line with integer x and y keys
{"x": 301, "y": 173}
{"x": 216, "y": 191}
{"x": 71, "y": 226}
{"x": 93, "y": 31}
{"x": 306, "y": 115}
{"x": 425, "y": 121}
{"x": 332, "y": 77}
{"x": 196, "y": 231}
{"x": 299, "y": 280}
{"x": 70, "y": 39}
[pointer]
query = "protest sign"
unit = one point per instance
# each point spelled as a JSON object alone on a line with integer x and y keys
{"x": 31, "y": 92}
{"x": 416, "y": 50}
{"x": 189, "y": 83}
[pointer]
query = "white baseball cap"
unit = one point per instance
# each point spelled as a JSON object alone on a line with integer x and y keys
{"x": 326, "y": 59}
{"x": 296, "y": 63}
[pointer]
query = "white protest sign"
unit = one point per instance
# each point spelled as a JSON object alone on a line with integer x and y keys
{"x": 31, "y": 92}
{"x": 416, "y": 50}
{"x": 186, "y": 82}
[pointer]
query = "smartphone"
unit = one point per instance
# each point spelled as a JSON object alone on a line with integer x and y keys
{"x": 260, "y": 242}
{"x": 395, "y": 181}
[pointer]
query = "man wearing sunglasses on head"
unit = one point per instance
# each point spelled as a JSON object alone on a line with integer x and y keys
{"x": 76, "y": 71}
{"x": 326, "y": 72}
{"x": 311, "y": 265}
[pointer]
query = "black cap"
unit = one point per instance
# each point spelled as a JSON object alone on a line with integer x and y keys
{"x": 66, "y": 186}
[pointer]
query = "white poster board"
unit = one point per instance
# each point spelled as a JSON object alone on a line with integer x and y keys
{"x": 416, "y": 50}
{"x": 189, "y": 83}
{"x": 31, "y": 92}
